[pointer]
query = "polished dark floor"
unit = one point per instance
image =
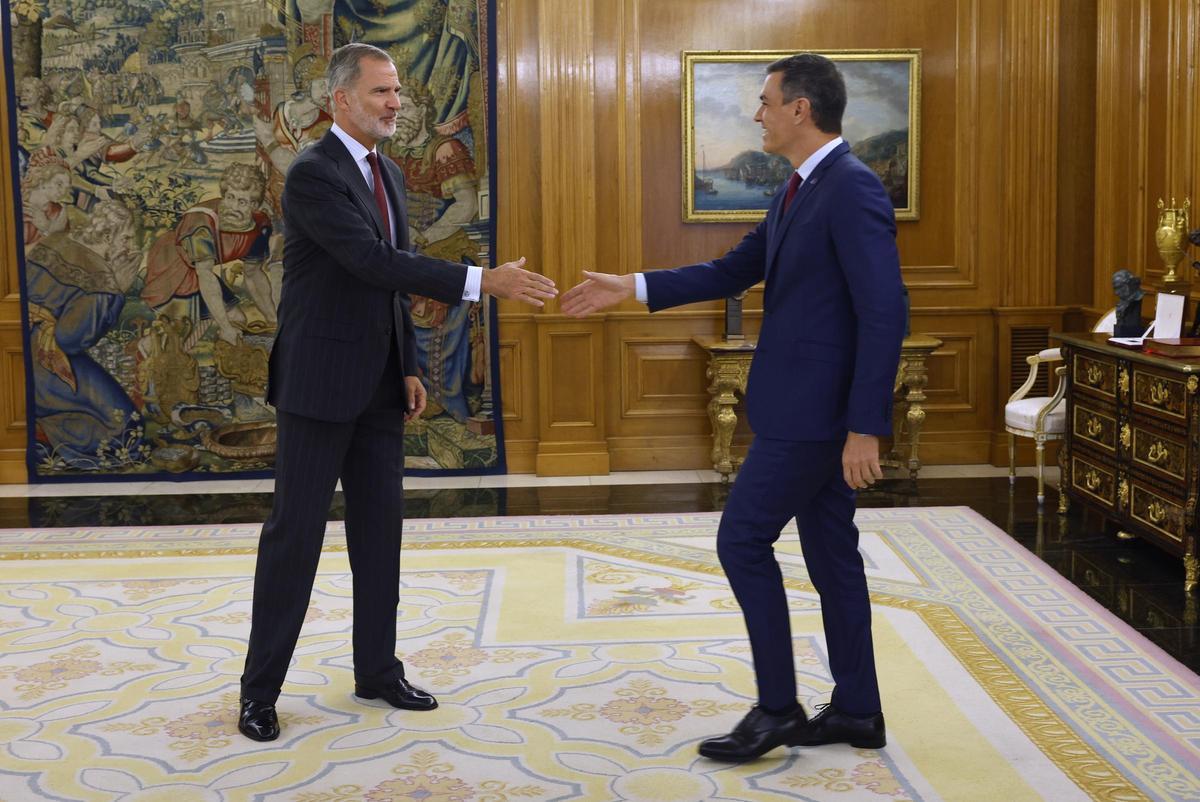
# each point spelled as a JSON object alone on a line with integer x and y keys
{"x": 1135, "y": 580}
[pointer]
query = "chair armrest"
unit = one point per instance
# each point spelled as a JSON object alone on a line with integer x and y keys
{"x": 1047, "y": 355}
{"x": 1061, "y": 372}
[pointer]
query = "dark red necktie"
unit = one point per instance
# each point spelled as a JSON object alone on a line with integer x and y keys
{"x": 380, "y": 196}
{"x": 793, "y": 185}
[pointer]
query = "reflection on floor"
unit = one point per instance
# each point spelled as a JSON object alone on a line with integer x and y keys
{"x": 1136, "y": 581}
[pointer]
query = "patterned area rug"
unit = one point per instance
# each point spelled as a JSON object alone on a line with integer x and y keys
{"x": 575, "y": 658}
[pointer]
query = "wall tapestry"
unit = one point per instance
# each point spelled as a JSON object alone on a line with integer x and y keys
{"x": 152, "y": 140}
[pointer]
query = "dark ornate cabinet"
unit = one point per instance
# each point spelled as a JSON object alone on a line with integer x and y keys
{"x": 1132, "y": 445}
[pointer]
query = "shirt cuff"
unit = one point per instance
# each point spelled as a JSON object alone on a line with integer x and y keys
{"x": 639, "y": 291}
{"x": 474, "y": 280}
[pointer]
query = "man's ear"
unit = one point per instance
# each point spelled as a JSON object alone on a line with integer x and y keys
{"x": 802, "y": 110}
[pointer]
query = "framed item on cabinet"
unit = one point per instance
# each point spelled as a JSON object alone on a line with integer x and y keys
{"x": 726, "y": 175}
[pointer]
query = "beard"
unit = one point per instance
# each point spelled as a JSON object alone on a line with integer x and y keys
{"x": 370, "y": 124}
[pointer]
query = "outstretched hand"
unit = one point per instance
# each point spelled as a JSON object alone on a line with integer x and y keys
{"x": 597, "y": 291}
{"x": 512, "y": 281}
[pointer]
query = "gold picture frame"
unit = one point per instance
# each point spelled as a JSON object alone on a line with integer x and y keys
{"x": 723, "y": 181}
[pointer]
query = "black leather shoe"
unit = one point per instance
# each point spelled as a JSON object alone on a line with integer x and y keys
{"x": 397, "y": 693}
{"x": 257, "y": 720}
{"x": 832, "y": 726}
{"x": 755, "y": 735}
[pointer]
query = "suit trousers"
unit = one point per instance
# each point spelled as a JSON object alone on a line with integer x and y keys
{"x": 367, "y": 454}
{"x": 779, "y": 480}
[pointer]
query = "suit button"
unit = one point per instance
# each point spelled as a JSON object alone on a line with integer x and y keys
{"x": 387, "y": 332}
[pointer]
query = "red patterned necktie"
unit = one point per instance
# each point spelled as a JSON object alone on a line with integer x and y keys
{"x": 380, "y": 197}
{"x": 793, "y": 185}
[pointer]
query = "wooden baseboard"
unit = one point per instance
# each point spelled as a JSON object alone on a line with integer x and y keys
{"x": 520, "y": 456}
{"x": 585, "y": 458}
{"x": 12, "y": 467}
{"x": 955, "y": 448}
{"x": 669, "y": 453}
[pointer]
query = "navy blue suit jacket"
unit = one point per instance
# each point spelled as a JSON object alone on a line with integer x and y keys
{"x": 345, "y": 288}
{"x": 833, "y": 308}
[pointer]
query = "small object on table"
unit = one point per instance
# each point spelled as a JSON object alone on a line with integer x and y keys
{"x": 1178, "y": 347}
{"x": 1128, "y": 288}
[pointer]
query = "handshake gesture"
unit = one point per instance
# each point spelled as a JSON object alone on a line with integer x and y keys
{"x": 596, "y": 292}
{"x": 512, "y": 281}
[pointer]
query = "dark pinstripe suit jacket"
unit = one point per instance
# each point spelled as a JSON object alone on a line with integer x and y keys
{"x": 345, "y": 288}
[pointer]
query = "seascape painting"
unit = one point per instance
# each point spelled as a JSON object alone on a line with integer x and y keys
{"x": 727, "y": 176}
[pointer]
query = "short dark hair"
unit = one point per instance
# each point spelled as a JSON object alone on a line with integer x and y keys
{"x": 818, "y": 79}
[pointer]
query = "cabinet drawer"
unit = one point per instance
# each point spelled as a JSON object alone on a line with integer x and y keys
{"x": 1159, "y": 394}
{"x": 1094, "y": 479}
{"x": 1159, "y": 453}
{"x": 1095, "y": 426}
{"x": 1096, "y": 375}
{"x": 1159, "y": 514}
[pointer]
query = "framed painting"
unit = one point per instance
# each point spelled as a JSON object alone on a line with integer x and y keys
{"x": 726, "y": 175}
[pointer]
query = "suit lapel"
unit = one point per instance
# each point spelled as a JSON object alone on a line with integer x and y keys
{"x": 353, "y": 176}
{"x": 783, "y": 219}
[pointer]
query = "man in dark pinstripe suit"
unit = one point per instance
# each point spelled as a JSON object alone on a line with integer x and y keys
{"x": 343, "y": 381}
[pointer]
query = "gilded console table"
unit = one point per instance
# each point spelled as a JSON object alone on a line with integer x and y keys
{"x": 729, "y": 367}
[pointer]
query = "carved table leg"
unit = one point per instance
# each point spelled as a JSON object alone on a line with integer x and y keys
{"x": 1191, "y": 572}
{"x": 728, "y": 376}
{"x": 915, "y": 379}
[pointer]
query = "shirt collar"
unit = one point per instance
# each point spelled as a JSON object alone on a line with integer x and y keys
{"x": 810, "y": 164}
{"x": 357, "y": 151}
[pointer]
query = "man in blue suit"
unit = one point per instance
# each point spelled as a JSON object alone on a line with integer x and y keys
{"x": 343, "y": 379}
{"x": 818, "y": 399}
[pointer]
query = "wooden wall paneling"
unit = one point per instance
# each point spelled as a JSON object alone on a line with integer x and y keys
{"x": 518, "y": 222}
{"x": 658, "y": 416}
{"x": 517, "y": 358}
{"x": 1076, "y": 152}
{"x": 939, "y": 253}
{"x": 13, "y": 429}
{"x": 571, "y": 425}
{"x": 571, "y": 398}
{"x": 1030, "y": 151}
{"x": 959, "y": 410}
{"x": 1189, "y": 111}
{"x": 1146, "y": 139}
{"x": 1181, "y": 128}
{"x": 518, "y": 154}
{"x": 1157, "y": 178}
{"x": 1122, "y": 113}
